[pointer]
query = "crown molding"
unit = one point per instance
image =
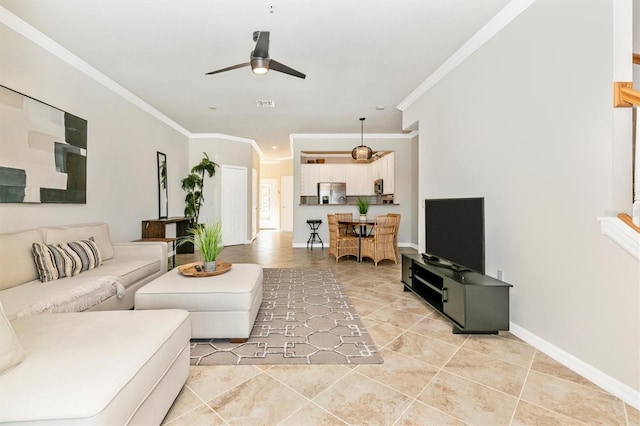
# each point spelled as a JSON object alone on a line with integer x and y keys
{"x": 228, "y": 138}
{"x": 293, "y": 136}
{"x": 32, "y": 34}
{"x": 512, "y": 10}
{"x": 410, "y": 135}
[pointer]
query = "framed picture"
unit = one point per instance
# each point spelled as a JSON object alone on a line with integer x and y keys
{"x": 43, "y": 152}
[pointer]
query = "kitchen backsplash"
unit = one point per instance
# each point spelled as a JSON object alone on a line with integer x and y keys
{"x": 351, "y": 200}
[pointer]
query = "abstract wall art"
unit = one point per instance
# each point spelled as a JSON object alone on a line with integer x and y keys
{"x": 43, "y": 152}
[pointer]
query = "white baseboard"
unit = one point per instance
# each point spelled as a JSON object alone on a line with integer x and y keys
{"x": 304, "y": 245}
{"x": 410, "y": 245}
{"x": 606, "y": 382}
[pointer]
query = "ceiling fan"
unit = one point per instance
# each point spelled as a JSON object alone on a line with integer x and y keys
{"x": 260, "y": 61}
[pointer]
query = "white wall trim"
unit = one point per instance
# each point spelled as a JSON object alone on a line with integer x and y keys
{"x": 326, "y": 245}
{"x": 621, "y": 234}
{"x": 227, "y": 137}
{"x": 352, "y": 135}
{"x": 491, "y": 28}
{"x": 31, "y": 33}
{"x": 410, "y": 245}
{"x": 606, "y": 382}
{"x": 293, "y": 136}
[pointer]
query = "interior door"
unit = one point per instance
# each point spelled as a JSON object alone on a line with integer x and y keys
{"x": 268, "y": 204}
{"x": 234, "y": 214}
{"x": 286, "y": 203}
{"x": 254, "y": 204}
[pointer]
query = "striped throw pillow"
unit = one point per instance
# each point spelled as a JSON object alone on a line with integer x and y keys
{"x": 55, "y": 261}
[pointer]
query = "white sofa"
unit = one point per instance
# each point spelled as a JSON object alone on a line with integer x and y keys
{"x": 115, "y": 366}
{"x": 132, "y": 264}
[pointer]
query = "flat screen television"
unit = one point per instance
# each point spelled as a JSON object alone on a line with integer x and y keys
{"x": 454, "y": 232}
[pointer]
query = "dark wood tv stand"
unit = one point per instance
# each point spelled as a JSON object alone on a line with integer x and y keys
{"x": 473, "y": 302}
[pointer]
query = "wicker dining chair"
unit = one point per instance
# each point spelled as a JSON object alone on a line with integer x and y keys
{"x": 380, "y": 245}
{"x": 397, "y": 217}
{"x": 344, "y": 229}
{"x": 340, "y": 245}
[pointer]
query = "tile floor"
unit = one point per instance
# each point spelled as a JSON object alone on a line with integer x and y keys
{"x": 429, "y": 375}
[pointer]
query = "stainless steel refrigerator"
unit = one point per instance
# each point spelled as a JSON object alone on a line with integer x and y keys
{"x": 332, "y": 193}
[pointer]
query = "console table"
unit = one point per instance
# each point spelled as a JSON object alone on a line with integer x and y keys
{"x": 157, "y": 229}
{"x": 473, "y": 302}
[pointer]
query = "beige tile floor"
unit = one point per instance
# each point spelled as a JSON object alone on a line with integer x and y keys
{"x": 429, "y": 375}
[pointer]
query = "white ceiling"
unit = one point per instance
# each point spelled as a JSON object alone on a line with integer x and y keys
{"x": 357, "y": 54}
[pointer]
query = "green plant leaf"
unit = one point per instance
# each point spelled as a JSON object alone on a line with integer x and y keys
{"x": 206, "y": 238}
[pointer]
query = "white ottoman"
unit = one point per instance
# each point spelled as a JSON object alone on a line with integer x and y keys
{"x": 222, "y": 306}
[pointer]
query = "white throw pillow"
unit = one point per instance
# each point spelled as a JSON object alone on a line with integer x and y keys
{"x": 11, "y": 353}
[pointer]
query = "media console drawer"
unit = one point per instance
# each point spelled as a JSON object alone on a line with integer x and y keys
{"x": 473, "y": 302}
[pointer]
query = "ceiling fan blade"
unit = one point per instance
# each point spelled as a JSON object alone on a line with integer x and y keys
{"x": 262, "y": 45}
{"x": 277, "y": 66}
{"x": 233, "y": 67}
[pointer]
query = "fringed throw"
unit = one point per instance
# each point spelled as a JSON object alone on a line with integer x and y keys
{"x": 77, "y": 299}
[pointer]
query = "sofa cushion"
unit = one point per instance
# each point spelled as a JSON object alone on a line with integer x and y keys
{"x": 127, "y": 271}
{"x": 99, "y": 231}
{"x": 54, "y": 261}
{"x": 11, "y": 353}
{"x": 16, "y": 261}
{"x": 84, "y": 251}
{"x": 91, "y": 367}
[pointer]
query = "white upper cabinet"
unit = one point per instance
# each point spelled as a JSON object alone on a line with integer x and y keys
{"x": 389, "y": 173}
{"x": 308, "y": 180}
{"x": 359, "y": 177}
{"x": 330, "y": 172}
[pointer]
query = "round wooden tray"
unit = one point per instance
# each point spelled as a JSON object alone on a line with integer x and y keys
{"x": 189, "y": 270}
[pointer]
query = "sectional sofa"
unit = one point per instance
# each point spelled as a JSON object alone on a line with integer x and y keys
{"x": 71, "y": 350}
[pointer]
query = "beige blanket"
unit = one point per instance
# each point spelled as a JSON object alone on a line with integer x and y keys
{"x": 77, "y": 299}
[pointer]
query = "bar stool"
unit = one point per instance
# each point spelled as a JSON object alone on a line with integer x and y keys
{"x": 314, "y": 224}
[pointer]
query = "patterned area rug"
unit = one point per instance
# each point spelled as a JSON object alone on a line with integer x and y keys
{"x": 305, "y": 318}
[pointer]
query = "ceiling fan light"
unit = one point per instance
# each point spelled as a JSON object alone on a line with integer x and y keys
{"x": 259, "y": 65}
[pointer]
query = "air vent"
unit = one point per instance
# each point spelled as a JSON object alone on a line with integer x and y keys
{"x": 266, "y": 104}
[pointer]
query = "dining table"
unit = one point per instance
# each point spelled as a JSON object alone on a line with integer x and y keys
{"x": 362, "y": 228}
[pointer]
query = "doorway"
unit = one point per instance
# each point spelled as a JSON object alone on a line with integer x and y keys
{"x": 286, "y": 203}
{"x": 268, "y": 203}
{"x": 234, "y": 205}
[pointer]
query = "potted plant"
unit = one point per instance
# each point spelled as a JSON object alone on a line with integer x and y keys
{"x": 193, "y": 184}
{"x": 363, "y": 208}
{"x": 207, "y": 239}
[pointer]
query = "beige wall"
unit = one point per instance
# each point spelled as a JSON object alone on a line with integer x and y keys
{"x": 405, "y": 180}
{"x": 227, "y": 152}
{"x": 121, "y": 148}
{"x": 525, "y": 124}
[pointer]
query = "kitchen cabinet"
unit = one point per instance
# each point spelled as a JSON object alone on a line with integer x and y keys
{"x": 330, "y": 172}
{"x": 388, "y": 173}
{"x": 308, "y": 180}
{"x": 359, "y": 177}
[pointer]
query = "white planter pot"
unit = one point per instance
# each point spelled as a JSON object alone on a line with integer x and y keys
{"x": 363, "y": 217}
{"x": 210, "y": 266}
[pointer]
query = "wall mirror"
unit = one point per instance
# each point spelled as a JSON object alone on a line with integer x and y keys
{"x": 163, "y": 195}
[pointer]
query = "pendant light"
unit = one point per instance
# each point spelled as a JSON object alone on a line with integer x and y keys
{"x": 361, "y": 152}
